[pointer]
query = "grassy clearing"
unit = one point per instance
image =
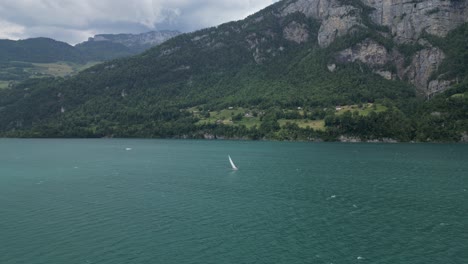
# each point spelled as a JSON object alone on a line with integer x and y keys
{"x": 304, "y": 123}
{"x": 248, "y": 119}
{"x": 459, "y": 95}
{"x": 228, "y": 117}
{"x": 59, "y": 69}
{"x": 4, "y": 84}
{"x": 19, "y": 71}
{"x": 365, "y": 110}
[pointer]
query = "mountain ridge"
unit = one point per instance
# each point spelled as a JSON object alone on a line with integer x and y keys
{"x": 40, "y": 50}
{"x": 39, "y": 57}
{"x": 46, "y": 50}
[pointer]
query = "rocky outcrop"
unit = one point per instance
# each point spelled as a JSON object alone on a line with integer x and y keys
{"x": 339, "y": 22}
{"x": 423, "y": 65}
{"x": 464, "y": 137}
{"x": 386, "y": 74}
{"x": 372, "y": 54}
{"x": 253, "y": 42}
{"x": 351, "y": 139}
{"x": 437, "y": 86}
{"x": 296, "y": 32}
{"x": 369, "y": 52}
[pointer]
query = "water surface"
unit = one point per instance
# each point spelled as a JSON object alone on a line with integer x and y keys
{"x": 170, "y": 201}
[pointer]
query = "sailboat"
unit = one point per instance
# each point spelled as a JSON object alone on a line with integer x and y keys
{"x": 232, "y": 163}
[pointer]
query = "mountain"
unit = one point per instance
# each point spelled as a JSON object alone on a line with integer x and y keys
{"x": 36, "y": 57}
{"x": 40, "y": 57}
{"x": 46, "y": 50}
{"x": 38, "y": 50}
{"x": 136, "y": 42}
{"x": 299, "y": 69}
{"x": 111, "y": 46}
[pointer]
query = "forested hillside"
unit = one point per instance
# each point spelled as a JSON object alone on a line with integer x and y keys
{"x": 279, "y": 74}
{"x": 104, "y": 50}
{"x": 37, "y": 58}
{"x": 38, "y": 50}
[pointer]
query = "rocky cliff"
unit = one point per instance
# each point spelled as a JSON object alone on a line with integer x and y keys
{"x": 408, "y": 19}
{"x": 402, "y": 23}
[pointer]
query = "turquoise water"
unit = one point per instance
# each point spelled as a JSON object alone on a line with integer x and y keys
{"x": 170, "y": 201}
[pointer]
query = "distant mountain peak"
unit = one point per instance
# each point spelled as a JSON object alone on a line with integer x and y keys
{"x": 110, "y": 46}
{"x": 140, "y": 41}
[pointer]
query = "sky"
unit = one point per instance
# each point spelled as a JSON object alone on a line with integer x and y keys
{"x": 74, "y": 21}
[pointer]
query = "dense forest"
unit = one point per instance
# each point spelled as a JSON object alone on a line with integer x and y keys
{"x": 212, "y": 84}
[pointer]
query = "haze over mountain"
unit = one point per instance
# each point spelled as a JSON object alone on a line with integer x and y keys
{"x": 289, "y": 71}
{"x": 109, "y": 46}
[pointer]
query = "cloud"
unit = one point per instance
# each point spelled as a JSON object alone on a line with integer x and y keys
{"x": 75, "y": 20}
{"x": 10, "y": 30}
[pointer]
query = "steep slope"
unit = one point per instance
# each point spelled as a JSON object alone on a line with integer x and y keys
{"x": 309, "y": 55}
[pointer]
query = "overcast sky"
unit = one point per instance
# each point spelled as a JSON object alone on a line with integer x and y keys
{"x": 73, "y": 21}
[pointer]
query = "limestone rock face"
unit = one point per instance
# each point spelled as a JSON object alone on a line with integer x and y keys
{"x": 408, "y": 19}
{"x": 337, "y": 19}
{"x": 437, "y": 86}
{"x": 339, "y": 22}
{"x": 368, "y": 52}
{"x": 423, "y": 65}
{"x": 372, "y": 54}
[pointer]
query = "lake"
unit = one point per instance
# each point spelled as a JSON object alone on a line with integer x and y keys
{"x": 175, "y": 201}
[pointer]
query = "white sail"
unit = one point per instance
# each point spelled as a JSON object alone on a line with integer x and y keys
{"x": 232, "y": 163}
